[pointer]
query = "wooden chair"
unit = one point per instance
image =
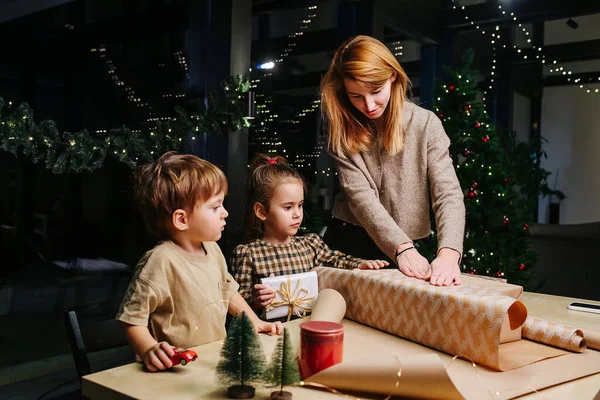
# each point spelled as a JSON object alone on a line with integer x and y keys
{"x": 96, "y": 336}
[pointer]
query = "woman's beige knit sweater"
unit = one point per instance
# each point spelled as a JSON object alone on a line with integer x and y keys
{"x": 389, "y": 195}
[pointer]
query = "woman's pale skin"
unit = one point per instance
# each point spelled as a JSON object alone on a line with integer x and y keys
{"x": 442, "y": 271}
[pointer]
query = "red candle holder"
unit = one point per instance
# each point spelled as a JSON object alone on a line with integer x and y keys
{"x": 321, "y": 346}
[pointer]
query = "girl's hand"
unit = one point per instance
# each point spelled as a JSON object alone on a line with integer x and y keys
{"x": 158, "y": 356}
{"x": 263, "y": 295}
{"x": 272, "y": 328}
{"x": 373, "y": 264}
{"x": 413, "y": 264}
{"x": 445, "y": 268}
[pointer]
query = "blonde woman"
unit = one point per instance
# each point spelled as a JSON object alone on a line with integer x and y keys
{"x": 393, "y": 163}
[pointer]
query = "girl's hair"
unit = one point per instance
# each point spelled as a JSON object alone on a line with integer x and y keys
{"x": 265, "y": 176}
{"x": 175, "y": 181}
{"x": 370, "y": 63}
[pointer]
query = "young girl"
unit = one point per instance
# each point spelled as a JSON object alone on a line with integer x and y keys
{"x": 275, "y": 212}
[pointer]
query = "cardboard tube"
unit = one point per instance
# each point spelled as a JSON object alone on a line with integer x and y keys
{"x": 329, "y": 306}
{"x": 592, "y": 338}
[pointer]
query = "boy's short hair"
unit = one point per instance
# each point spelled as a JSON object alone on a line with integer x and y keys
{"x": 175, "y": 181}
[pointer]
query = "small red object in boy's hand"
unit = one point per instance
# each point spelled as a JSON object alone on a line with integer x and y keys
{"x": 183, "y": 357}
{"x": 272, "y": 161}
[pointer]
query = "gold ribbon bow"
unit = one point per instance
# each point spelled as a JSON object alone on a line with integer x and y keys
{"x": 295, "y": 300}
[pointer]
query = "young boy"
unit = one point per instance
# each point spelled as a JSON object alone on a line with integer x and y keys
{"x": 181, "y": 288}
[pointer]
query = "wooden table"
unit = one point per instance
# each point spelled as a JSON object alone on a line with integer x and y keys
{"x": 197, "y": 379}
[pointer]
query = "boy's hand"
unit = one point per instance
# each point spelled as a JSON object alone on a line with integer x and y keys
{"x": 272, "y": 328}
{"x": 373, "y": 264}
{"x": 263, "y": 295}
{"x": 157, "y": 357}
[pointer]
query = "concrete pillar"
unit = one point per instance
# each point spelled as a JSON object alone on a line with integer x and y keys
{"x": 237, "y": 156}
{"x": 218, "y": 45}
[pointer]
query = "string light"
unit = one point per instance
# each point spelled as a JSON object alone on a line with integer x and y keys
{"x": 181, "y": 60}
{"x": 396, "y": 48}
{"x": 261, "y": 135}
{"x": 111, "y": 69}
{"x": 304, "y": 24}
{"x": 539, "y": 56}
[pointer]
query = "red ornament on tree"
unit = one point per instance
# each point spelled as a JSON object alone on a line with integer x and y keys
{"x": 466, "y": 153}
{"x": 441, "y": 115}
{"x": 451, "y": 87}
{"x": 506, "y": 221}
{"x": 472, "y": 193}
{"x": 506, "y": 180}
{"x": 486, "y": 138}
{"x": 477, "y": 125}
{"x": 522, "y": 267}
{"x": 525, "y": 227}
{"x": 474, "y": 185}
{"x": 468, "y": 107}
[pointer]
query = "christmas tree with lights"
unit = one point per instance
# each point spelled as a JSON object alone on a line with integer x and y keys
{"x": 500, "y": 177}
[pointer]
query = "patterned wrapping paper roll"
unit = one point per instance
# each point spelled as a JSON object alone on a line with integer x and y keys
{"x": 554, "y": 334}
{"x": 461, "y": 320}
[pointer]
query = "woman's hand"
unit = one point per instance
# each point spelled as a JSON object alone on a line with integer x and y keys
{"x": 263, "y": 295}
{"x": 413, "y": 264}
{"x": 445, "y": 269}
{"x": 373, "y": 264}
{"x": 158, "y": 356}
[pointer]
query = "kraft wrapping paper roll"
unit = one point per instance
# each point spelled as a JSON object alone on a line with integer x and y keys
{"x": 592, "y": 338}
{"x": 422, "y": 377}
{"x": 462, "y": 320}
{"x": 329, "y": 306}
{"x": 554, "y": 334}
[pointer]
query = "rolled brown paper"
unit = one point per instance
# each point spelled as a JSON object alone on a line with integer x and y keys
{"x": 554, "y": 334}
{"x": 329, "y": 306}
{"x": 592, "y": 338}
{"x": 412, "y": 377}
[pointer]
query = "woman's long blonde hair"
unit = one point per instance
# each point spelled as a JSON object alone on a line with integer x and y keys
{"x": 370, "y": 63}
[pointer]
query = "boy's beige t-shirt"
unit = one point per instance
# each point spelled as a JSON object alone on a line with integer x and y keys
{"x": 176, "y": 295}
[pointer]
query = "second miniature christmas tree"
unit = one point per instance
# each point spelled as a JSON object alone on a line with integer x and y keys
{"x": 242, "y": 358}
{"x": 283, "y": 370}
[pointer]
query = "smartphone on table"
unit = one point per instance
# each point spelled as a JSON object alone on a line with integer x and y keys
{"x": 587, "y": 307}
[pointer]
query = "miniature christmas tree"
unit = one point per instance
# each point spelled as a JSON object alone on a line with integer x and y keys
{"x": 242, "y": 358}
{"x": 283, "y": 370}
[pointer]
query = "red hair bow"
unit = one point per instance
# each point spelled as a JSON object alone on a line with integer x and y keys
{"x": 272, "y": 161}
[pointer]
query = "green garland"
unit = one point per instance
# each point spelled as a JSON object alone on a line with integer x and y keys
{"x": 64, "y": 152}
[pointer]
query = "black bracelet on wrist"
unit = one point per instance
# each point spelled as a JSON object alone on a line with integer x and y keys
{"x": 399, "y": 253}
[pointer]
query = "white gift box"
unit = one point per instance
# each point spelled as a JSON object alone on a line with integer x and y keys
{"x": 294, "y": 294}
